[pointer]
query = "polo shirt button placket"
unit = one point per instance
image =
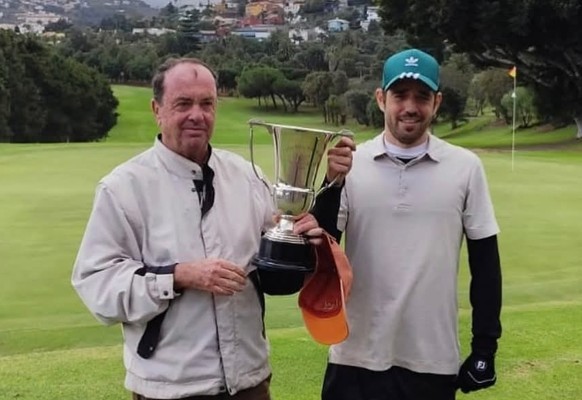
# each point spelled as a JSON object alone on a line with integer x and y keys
{"x": 401, "y": 182}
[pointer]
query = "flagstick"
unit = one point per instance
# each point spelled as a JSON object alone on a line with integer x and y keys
{"x": 513, "y": 125}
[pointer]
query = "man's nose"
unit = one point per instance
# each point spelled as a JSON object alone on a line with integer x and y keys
{"x": 195, "y": 113}
{"x": 410, "y": 105}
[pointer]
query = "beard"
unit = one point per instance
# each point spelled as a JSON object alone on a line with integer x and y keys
{"x": 408, "y": 136}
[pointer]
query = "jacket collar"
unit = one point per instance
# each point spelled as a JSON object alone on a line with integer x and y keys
{"x": 177, "y": 164}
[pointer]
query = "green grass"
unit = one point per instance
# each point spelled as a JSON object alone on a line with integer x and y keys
{"x": 479, "y": 133}
{"x": 51, "y": 348}
{"x": 137, "y": 124}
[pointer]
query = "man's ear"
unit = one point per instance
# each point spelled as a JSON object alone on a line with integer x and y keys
{"x": 155, "y": 110}
{"x": 380, "y": 99}
{"x": 438, "y": 99}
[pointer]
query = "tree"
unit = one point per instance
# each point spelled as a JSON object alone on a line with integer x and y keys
{"x": 290, "y": 92}
{"x": 495, "y": 84}
{"x": 283, "y": 48}
{"x": 51, "y": 98}
{"x": 505, "y": 33}
{"x": 79, "y": 101}
{"x": 188, "y": 31}
{"x": 335, "y": 108}
{"x": 257, "y": 82}
{"x": 477, "y": 94}
{"x": 375, "y": 115}
{"x": 456, "y": 75}
{"x": 357, "y": 103}
{"x": 525, "y": 111}
{"x": 5, "y": 131}
{"x": 419, "y": 19}
{"x": 62, "y": 25}
{"x": 168, "y": 44}
{"x": 169, "y": 16}
{"x": 312, "y": 7}
{"x": 453, "y": 107}
{"x": 27, "y": 112}
{"x": 312, "y": 57}
{"x": 249, "y": 84}
{"x": 348, "y": 57}
{"x": 374, "y": 28}
{"x": 384, "y": 49}
{"x": 78, "y": 41}
{"x": 340, "y": 83}
{"x": 117, "y": 22}
{"x": 141, "y": 67}
{"x": 317, "y": 89}
{"x": 226, "y": 79}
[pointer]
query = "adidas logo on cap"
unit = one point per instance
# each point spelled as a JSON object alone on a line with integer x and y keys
{"x": 411, "y": 62}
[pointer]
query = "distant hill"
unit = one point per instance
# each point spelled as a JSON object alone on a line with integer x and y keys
{"x": 96, "y": 10}
{"x": 81, "y": 12}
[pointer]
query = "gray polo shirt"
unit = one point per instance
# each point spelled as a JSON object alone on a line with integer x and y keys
{"x": 404, "y": 226}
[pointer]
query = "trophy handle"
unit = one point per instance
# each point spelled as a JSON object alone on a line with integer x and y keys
{"x": 251, "y": 123}
{"x": 341, "y": 133}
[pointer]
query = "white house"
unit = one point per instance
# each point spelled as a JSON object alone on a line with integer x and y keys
{"x": 371, "y": 15}
{"x": 152, "y": 31}
{"x": 257, "y": 32}
{"x": 298, "y": 35}
{"x": 338, "y": 25}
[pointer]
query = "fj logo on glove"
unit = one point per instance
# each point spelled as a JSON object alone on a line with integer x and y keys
{"x": 481, "y": 365}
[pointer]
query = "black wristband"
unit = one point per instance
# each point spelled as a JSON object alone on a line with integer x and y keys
{"x": 484, "y": 345}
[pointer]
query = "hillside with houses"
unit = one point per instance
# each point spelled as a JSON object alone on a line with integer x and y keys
{"x": 301, "y": 19}
{"x": 284, "y": 53}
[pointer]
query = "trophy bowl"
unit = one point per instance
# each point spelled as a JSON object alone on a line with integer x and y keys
{"x": 285, "y": 257}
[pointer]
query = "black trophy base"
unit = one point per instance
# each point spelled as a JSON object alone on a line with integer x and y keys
{"x": 282, "y": 266}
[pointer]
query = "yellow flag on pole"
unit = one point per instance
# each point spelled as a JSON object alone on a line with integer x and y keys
{"x": 513, "y": 72}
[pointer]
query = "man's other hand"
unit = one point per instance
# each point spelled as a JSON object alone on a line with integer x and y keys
{"x": 339, "y": 160}
{"x": 212, "y": 275}
{"x": 476, "y": 373}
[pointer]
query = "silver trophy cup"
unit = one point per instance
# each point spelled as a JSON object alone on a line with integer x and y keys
{"x": 298, "y": 154}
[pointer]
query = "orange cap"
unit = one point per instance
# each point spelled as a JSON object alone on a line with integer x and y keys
{"x": 322, "y": 298}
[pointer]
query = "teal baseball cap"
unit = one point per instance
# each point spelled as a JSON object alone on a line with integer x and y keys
{"x": 411, "y": 64}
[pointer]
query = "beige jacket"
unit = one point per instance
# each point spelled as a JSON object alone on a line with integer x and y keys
{"x": 146, "y": 215}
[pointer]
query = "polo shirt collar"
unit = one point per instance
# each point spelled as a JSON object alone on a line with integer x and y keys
{"x": 377, "y": 147}
{"x": 435, "y": 148}
{"x": 177, "y": 164}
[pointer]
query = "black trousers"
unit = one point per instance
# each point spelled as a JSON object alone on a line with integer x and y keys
{"x": 344, "y": 382}
{"x": 259, "y": 392}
